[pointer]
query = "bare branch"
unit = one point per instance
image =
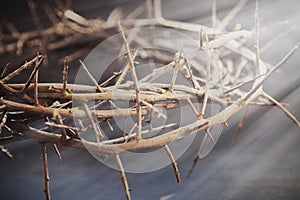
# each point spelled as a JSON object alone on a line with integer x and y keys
{"x": 135, "y": 81}
{"x": 65, "y": 75}
{"x": 208, "y": 74}
{"x": 240, "y": 125}
{"x": 91, "y": 76}
{"x": 177, "y": 65}
{"x": 94, "y": 125}
{"x": 280, "y": 106}
{"x": 269, "y": 73}
{"x": 6, "y": 151}
{"x": 3, "y": 119}
{"x": 20, "y": 69}
{"x": 57, "y": 151}
{"x": 36, "y": 82}
{"x": 196, "y": 158}
{"x": 174, "y": 163}
{"x": 123, "y": 177}
{"x": 46, "y": 171}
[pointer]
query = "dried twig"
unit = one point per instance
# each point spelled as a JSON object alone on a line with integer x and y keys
{"x": 269, "y": 73}
{"x": 36, "y": 82}
{"x": 57, "y": 151}
{"x": 208, "y": 74}
{"x": 123, "y": 73}
{"x": 196, "y": 158}
{"x": 46, "y": 171}
{"x": 240, "y": 125}
{"x": 50, "y": 14}
{"x": 193, "y": 107}
{"x": 62, "y": 126}
{"x": 177, "y": 65}
{"x": 154, "y": 109}
{"x": 3, "y": 119}
{"x": 4, "y": 70}
{"x": 174, "y": 163}
{"x": 98, "y": 134}
{"x": 123, "y": 177}
{"x": 91, "y": 76}
{"x": 135, "y": 82}
{"x": 20, "y": 69}
{"x": 279, "y": 105}
{"x": 6, "y": 151}
{"x": 65, "y": 75}
{"x": 64, "y": 132}
{"x": 131, "y": 135}
{"x": 33, "y": 74}
{"x": 114, "y": 76}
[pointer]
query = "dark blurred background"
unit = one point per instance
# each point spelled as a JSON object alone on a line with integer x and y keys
{"x": 263, "y": 164}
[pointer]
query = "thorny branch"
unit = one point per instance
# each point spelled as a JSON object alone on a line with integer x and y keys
{"x": 46, "y": 171}
{"x": 123, "y": 177}
{"x": 135, "y": 83}
{"x": 174, "y": 163}
{"x": 216, "y": 78}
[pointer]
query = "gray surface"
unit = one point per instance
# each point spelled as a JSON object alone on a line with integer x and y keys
{"x": 263, "y": 164}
